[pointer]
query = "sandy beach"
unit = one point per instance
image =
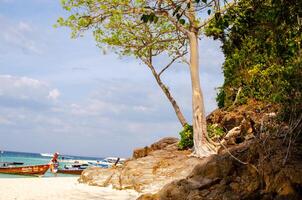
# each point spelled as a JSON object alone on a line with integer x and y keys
{"x": 58, "y": 188}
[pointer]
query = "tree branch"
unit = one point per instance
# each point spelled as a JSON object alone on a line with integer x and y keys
{"x": 173, "y": 60}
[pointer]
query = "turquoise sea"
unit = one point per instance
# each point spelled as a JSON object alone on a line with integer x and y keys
{"x": 34, "y": 159}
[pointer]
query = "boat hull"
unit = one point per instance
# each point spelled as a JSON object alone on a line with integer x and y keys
{"x": 70, "y": 171}
{"x": 36, "y": 170}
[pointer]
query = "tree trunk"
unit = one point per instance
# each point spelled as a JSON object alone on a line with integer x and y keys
{"x": 177, "y": 110}
{"x": 201, "y": 146}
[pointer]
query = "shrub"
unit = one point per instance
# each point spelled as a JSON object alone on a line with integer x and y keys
{"x": 214, "y": 131}
{"x": 186, "y": 137}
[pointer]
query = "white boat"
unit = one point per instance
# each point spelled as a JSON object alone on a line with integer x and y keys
{"x": 46, "y": 154}
{"x": 108, "y": 162}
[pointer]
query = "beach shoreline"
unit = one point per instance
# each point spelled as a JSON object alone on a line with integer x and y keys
{"x": 58, "y": 188}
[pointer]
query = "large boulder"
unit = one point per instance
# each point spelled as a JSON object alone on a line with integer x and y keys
{"x": 148, "y": 171}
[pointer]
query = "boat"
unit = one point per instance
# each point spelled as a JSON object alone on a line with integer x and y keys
{"x": 75, "y": 169}
{"x": 34, "y": 170}
{"x": 46, "y": 154}
{"x": 10, "y": 163}
{"x": 109, "y": 162}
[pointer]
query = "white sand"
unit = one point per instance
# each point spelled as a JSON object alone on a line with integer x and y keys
{"x": 58, "y": 188}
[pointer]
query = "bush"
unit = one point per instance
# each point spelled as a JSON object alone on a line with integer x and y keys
{"x": 215, "y": 131}
{"x": 186, "y": 137}
{"x": 262, "y": 47}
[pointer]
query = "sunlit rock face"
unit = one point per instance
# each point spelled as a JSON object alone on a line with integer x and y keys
{"x": 149, "y": 170}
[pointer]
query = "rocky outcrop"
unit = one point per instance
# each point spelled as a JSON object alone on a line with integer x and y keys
{"x": 244, "y": 122}
{"x": 258, "y": 159}
{"x": 161, "y": 144}
{"x": 151, "y": 168}
{"x": 258, "y": 172}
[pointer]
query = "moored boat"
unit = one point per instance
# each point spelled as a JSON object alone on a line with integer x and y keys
{"x": 75, "y": 169}
{"x": 46, "y": 154}
{"x": 109, "y": 162}
{"x": 34, "y": 170}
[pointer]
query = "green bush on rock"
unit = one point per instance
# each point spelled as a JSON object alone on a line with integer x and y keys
{"x": 186, "y": 135}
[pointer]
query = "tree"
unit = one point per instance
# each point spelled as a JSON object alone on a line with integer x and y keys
{"x": 127, "y": 35}
{"x": 177, "y": 22}
{"x": 184, "y": 15}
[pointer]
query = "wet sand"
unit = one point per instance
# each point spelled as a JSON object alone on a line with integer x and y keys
{"x": 58, "y": 188}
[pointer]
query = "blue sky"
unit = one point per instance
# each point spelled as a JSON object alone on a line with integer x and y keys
{"x": 62, "y": 94}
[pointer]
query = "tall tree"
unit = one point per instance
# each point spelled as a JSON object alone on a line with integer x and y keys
{"x": 127, "y": 35}
{"x": 186, "y": 17}
{"x": 177, "y": 24}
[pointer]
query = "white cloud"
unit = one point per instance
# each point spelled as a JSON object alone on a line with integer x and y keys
{"x": 54, "y": 94}
{"x": 15, "y": 88}
{"x": 18, "y": 34}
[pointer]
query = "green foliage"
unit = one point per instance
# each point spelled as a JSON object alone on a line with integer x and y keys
{"x": 179, "y": 9}
{"x": 116, "y": 24}
{"x": 262, "y": 46}
{"x": 186, "y": 137}
{"x": 215, "y": 131}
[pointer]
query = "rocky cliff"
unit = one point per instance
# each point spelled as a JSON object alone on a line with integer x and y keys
{"x": 261, "y": 159}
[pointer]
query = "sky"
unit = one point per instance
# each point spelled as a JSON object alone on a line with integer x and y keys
{"x": 67, "y": 95}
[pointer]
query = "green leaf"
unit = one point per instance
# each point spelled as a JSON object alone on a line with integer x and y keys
{"x": 151, "y": 17}
{"x": 155, "y": 19}
{"x": 182, "y": 21}
{"x": 145, "y": 18}
{"x": 209, "y": 12}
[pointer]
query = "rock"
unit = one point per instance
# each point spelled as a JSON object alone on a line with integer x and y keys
{"x": 148, "y": 197}
{"x": 141, "y": 152}
{"x": 221, "y": 177}
{"x": 147, "y": 172}
{"x": 249, "y": 169}
{"x": 161, "y": 144}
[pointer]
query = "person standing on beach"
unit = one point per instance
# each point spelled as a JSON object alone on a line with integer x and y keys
{"x": 54, "y": 163}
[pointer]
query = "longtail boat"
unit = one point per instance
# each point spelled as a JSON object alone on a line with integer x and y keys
{"x": 75, "y": 169}
{"x": 34, "y": 170}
